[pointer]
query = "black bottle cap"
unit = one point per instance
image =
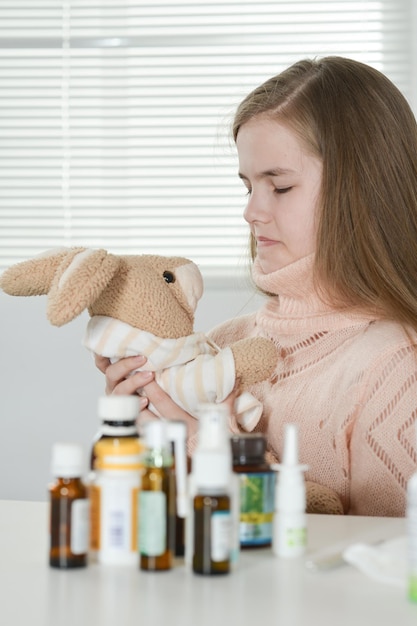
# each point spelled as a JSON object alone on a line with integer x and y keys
{"x": 248, "y": 448}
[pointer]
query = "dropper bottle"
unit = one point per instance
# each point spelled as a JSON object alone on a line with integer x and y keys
{"x": 289, "y": 537}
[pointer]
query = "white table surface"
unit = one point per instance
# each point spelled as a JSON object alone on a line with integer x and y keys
{"x": 262, "y": 590}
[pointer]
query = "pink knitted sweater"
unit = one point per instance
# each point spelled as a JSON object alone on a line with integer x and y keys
{"x": 350, "y": 383}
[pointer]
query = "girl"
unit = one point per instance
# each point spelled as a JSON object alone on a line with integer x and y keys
{"x": 328, "y": 154}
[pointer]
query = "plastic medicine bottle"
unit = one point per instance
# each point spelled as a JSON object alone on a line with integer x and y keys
{"x": 115, "y": 487}
{"x": 69, "y": 508}
{"x": 157, "y": 500}
{"x": 257, "y": 490}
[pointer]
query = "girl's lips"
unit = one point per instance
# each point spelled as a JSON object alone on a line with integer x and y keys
{"x": 264, "y": 241}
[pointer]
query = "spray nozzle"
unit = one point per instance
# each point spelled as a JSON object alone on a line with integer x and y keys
{"x": 290, "y": 454}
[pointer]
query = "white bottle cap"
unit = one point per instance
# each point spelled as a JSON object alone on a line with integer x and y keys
{"x": 67, "y": 460}
{"x": 213, "y": 426}
{"x": 156, "y": 435}
{"x": 116, "y": 407}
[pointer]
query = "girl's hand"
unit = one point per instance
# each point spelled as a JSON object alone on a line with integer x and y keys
{"x": 120, "y": 380}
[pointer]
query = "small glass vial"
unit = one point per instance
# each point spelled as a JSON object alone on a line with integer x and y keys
{"x": 157, "y": 500}
{"x": 212, "y": 524}
{"x": 256, "y": 488}
{"x": 69, "y": 508}
{"x": 118, "y": 415}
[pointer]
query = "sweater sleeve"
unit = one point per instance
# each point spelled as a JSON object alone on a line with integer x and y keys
{"x": 383, "y": 438}
{"x": 233, "y": 330}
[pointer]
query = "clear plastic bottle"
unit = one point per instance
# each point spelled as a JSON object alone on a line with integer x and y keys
{"x": 115, "y": 486}
{"x": 69, "y": 508}
{"x": 157, "y": 500}
{"x": 257, "y": 489}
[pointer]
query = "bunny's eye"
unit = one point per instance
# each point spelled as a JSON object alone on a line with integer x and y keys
{"x": 169, "y": 277}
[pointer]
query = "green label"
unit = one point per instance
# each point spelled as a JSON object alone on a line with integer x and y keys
{"x": 257, "y": 493}
{"x": 152, "y": 523}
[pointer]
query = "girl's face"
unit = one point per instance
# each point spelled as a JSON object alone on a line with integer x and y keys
{"x": 283, "y": 181}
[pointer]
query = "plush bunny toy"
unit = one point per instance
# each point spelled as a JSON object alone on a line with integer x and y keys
{"x": 145, "y": 304}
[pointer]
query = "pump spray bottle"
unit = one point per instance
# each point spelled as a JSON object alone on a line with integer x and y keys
{"x": 213, "y": 439}
{"x": 290, "y": 522}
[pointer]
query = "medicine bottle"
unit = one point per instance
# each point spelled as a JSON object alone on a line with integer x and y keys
{"x": 118, "y": 415}
{"x": 177, "y": 436}
{"x": 157, "y": 500}
{"x": 69, "y": 508}
{"x": 114, "y": 498}
{"x": 256, "y": 488}
{"x": 212, "y": 523}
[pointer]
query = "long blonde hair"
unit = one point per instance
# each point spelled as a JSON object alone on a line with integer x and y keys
{"x": 361, "y": 126}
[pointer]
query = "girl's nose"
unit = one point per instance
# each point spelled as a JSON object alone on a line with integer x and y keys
{"x": 255, "y": 210}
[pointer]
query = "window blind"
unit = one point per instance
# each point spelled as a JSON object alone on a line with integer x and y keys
{"x": 115, "y": 114}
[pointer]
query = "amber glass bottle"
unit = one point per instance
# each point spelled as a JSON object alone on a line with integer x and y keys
{"x": 212, "y": 513}
{"x": 69, "y": 510}
{"x": 157, "y": 501}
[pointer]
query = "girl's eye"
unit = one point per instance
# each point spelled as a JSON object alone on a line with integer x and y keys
{"x": 282, "y": 189}
{"x": 248, "y": 192}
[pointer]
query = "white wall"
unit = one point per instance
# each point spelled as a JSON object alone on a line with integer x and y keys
{"x": 49, "y": 384}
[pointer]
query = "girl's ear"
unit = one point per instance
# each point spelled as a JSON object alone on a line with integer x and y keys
{"x": 79, "y": 280}
{"x": 34, "y": 277}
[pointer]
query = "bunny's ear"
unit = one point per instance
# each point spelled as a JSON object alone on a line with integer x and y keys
{"x": 34, "y": 277}
{"x": 79, "y": 280}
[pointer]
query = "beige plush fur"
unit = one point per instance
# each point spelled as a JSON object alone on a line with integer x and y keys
{"x": 132, "y": 289}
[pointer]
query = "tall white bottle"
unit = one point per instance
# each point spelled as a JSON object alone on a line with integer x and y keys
{"x": 289, "y": 537}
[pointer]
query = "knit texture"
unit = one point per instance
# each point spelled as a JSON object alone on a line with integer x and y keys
{"x": 349, "y": 380}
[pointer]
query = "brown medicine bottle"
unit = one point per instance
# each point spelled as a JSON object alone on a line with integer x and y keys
{"x": 69, "y": 508}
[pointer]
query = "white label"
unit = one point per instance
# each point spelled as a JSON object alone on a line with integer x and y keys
{"x": 220, "y": 535}
{"x": 153, "y": 525}
{"x": 80, "y": 526}
{"x": 117, "y": 518}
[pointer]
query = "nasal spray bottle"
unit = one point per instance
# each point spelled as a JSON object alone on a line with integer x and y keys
{"x": 412, "y": 536}
{"x": 213, "y": 451}
{"x": 289, "y": 537}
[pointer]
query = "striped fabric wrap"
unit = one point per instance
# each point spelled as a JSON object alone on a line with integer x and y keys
{"x": 192, "y": 370}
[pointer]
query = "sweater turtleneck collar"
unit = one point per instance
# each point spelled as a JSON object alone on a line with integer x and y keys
{"x": 296, "y": 305}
